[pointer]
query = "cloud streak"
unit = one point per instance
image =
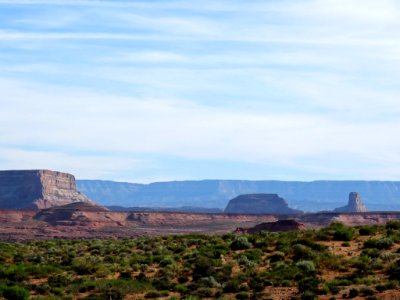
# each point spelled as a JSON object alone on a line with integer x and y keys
{"x": 299, "y": 87}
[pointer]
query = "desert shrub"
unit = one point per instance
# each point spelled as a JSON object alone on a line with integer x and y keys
{"x": 334, "y": 286}
{"x": 166, "y": 261}
{"x": 393, "y": 225}
{"x": 240, "y": 243}
{"x": 310, "y": 243}
{"x": 14, "y": 273}
{"x": 306, "y": 266}
{"x": 202, "y": 267}
{"x": 86, "y": 265}
{"x": 366, "y": 291}
{"x": 125, "y": 275}
{"x": 308, "y": 295}
{"x": 336, "y": 231}
{"x": 308, "y": 284}
{"x": 152, "y": 294}
{"x": 162, "y": 283}
{"x": 353, "y": 293}
{"x": 254, "y": 255}
{"x": 244, "y": 261}
{"x": 330, "y": 261}
{"x": 180, "y": 288}
{"x": 363, "y": 265}
{"x": 242, "y": 295}
{"x": 383, "y": 243}
{"x": 256, "y": 283}
{"x": 394, "y": 270}
{"x": 277, "y": 256}
{"x": 367, "y": 230}
{"x": 301, "y": 252}
{"x": 59, "y": 280}
{"x": 210, "y": 282}
{"x": 281, "y": 272}
{"x": 232, "y": 286}
{"x": 14, "y": 293}
{"x": 224, "y": 273}
{"x": 371, "y": 252}
{"x": 343, "y": 234}
{"x": 204, "y": 292}
{"x": 387, "y": 256}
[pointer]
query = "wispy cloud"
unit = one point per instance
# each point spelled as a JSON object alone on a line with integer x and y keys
{"x": 307, "y": 87}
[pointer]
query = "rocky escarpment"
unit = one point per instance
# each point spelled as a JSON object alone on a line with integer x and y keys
{"x": 278, "y": 226}
{"x": 38, "y": 189}
{"x": 354, "y": 205}
{"x": 81, "y": 214}
{"x": 260, "y": 204}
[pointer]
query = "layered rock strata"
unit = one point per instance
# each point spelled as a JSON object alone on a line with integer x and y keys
{"x": 38, "y": 189}
{"x": 259, "y": 204}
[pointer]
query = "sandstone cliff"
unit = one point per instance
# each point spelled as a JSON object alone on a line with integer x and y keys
{"x": 354, "y": 205}
{"x": 38, "y": 189}
{"x": 259, "y": 204}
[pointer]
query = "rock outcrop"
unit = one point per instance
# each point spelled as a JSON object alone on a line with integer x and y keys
{"x": 81, "y": 214}
{"x": 355, "y": 204}
{"x": 38, "y": 189}
{"x": 278, "y": 226}
{"x": 259, "y": 204}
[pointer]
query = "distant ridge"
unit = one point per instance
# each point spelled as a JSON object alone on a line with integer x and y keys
{"x": 306, "y": 196}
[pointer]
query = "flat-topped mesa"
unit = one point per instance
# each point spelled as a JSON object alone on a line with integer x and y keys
{"x": 260, "y": 204}
{"x": 354, "y": 205}
{"x": 38, "y": 189}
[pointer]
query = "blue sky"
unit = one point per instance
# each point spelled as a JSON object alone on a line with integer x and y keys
{"x": 168, "y": 90}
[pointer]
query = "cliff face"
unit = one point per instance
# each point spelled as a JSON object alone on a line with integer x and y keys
{"x": 260, "y": 204}
{"x": 38, "y": 189}
{"x": 354, "y": 205}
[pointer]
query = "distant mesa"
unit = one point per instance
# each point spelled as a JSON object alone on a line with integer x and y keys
{"x": 260, "y": 204}
{"x": 38, "y": 189}
{"x": 355, "y": 204}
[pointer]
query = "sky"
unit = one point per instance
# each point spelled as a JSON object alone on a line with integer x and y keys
{"x": 146, "y": 91}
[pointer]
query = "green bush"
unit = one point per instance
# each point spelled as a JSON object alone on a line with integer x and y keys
{"x": 366, "y": 291}
{"x": 14, "y": 293}
{"x": 343, "y": 234}
{"x": 204, "y": 292}
{"x": 383, "y": 243}
{"x": 393, "y": 225}
{"x": 367, "y": 230}
{"x": 152, "y": 295}
{"x": 306, "y": 266}
{"x": 242, "y": 295}
{"x": 353, "y": 293}
{"x": 394, "y": 271}
{"x": 276, "y": 256}
{"x": 240, "y": 243}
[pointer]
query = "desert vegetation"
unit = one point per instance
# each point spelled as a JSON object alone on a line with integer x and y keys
{"x": 334, "y": 262}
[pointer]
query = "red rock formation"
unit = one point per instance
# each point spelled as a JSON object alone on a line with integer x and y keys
{"x": 38, "y": 189}
{"x": 278, "y": 226}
